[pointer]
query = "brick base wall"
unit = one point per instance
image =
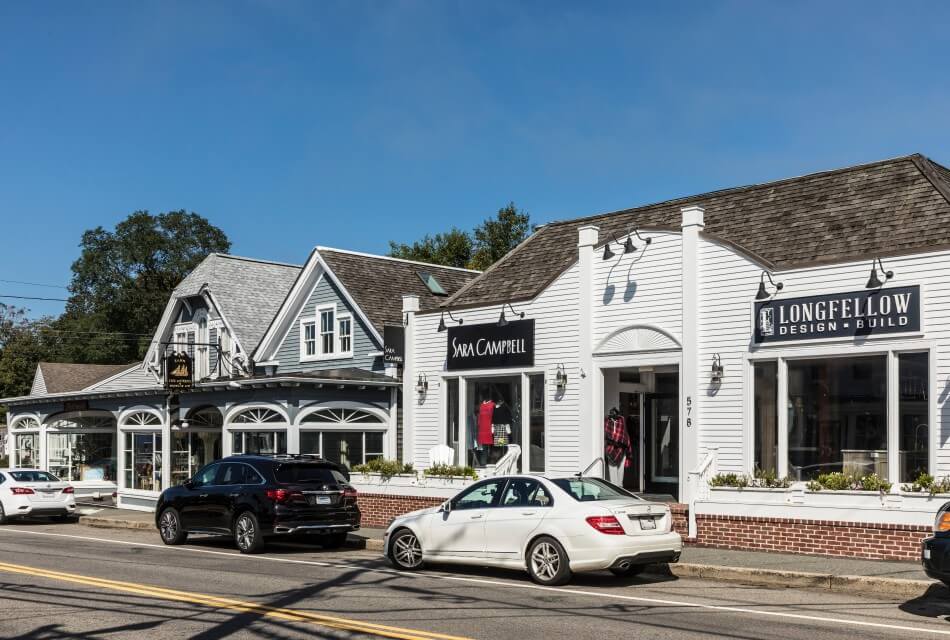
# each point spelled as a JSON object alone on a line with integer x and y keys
{"x": 815, "y": 537}
{"x": 379, "y": 510}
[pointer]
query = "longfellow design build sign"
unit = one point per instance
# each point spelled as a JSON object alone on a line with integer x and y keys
{"x": 838, "y": 315}
{"x": 488, "y": 346}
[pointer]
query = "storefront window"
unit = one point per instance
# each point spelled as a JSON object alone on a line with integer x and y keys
{"x": 143, "y": 456}
{"x": 837, "y": 416}
{"x": 913, "y": 374}
{"x": 191, "y": 451}
{"x": 536, "y": 423}
{"x": 452, "y": 416}
{"x": 81, "y": 456}
{"x": 347, "y": 448}
{"x": 493, "y": 410}
{"x": 26, "y": 450}
{"x": 255, "y": 442}
{"x": 766, "y": 416}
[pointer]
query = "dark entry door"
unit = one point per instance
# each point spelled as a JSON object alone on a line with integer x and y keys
{"x": 661, "y": 437}
{"x": 631, "y": 406}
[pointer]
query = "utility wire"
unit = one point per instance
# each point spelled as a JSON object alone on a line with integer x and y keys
{"x": 35, "y": 298}
{"x": 35, "y": 284}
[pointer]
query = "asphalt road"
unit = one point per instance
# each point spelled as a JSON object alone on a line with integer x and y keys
{"x": 69, "y": 581}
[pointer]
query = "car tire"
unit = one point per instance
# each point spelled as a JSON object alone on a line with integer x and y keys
{"x": 3, "y": 515}
{"x": 547, "y": 562}
{"x": 248, "y": 536}
{"x": 169, "y": 527}
{"x": 629, "y": 571}
{"x": 405, "y": 550}
{"x": 333, "y": 540}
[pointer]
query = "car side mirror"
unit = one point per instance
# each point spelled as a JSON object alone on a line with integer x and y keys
{"x": 189, "y": 484}
{"x": 447, "y": 506}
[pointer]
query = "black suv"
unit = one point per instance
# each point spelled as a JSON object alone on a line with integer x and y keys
{"x": 254, "y": 496}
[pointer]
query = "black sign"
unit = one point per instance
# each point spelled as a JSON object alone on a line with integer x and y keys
{"x": 838, "y": 315}
{"x": 488, "y": 346}
{"x": 75, "y": 405}
{"x": 394, "y": 344}
{"x": 178, "y": 372}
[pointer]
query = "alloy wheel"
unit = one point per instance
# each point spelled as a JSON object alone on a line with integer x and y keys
{"x": 545, "y": 561}
{"x": 168, "y": 526}
{"x": 245, "y": 532}
{"x": 407, "y": 550}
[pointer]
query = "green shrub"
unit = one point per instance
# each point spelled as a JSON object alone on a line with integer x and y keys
{"x": 385, "y": 468}
{"x": 768, "y": 478}
{"x": 835, "y": 481}
{"x": 926, "y": 482}
{"x": 451, "y": 470}
{"x": 737, "y": 480}
{"x": 760, "y": 480}
{"x": 874, "y": 482}
{"x": 813, "y": 485}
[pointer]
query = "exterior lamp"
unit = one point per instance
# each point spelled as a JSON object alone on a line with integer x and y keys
{"x": 874, "y": 282}
{"x": 560, "y": 378}
{"x": 763, "y": 293}
{"x": 608, "y": 254}
{"x": 422, "y": 384}
{"x": 717, "y": 370}
{"x": 502, "y": 320}
{"x": 442, "y": 326}
{"x": 629, "y": 247}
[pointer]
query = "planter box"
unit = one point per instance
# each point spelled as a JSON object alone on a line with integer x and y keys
{"x": 409, "y": 485}
{"x": 453, "y": 482}
{"x": 751, "y": 495}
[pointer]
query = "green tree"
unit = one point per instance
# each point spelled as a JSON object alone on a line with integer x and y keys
{"x": 23, "y": 343}
{"x": 122, "y": 281}
{"x": 496, "y": 236}
{"x": 452, "y": 249}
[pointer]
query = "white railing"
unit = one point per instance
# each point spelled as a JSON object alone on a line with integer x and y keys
{"x": 698, "y": 480}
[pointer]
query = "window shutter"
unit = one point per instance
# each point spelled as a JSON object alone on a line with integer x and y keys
{"x": 213, "y": 350}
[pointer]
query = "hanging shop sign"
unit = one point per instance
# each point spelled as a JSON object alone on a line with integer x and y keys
{"x": 489, "y": 346}
{"x": 178, "y": 371}
{"x": 838, "y": 315}
{"x": 394, "y": 344}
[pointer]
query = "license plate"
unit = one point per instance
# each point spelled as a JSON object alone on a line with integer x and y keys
{"x": 647, "y": 523}
{"x": 46, "y": 495}
{"x": 926, "y": 554}
{"x": 318, "y": 499}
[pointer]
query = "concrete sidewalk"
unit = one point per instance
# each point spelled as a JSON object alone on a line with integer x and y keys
{"x": 896, "y": 579}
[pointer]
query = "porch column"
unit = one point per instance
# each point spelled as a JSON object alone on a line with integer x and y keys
{"x": 591, "y": 434}
{"x": 171, "y": 413}
{"x": 410, "y": 306}
{"x": 690, "y": 403}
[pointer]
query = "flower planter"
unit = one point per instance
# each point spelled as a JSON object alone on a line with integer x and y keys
{"x": 409, "y": 484}
{"x": 751, "y": 495}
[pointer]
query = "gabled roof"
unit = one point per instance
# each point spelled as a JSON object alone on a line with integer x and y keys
{"x": 61, "y": 377}
{"x": 879, "y": 209}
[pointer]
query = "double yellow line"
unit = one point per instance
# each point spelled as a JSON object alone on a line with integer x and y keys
{"x": 290, "y": 615}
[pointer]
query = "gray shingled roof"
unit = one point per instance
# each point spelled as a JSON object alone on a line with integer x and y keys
{"x": 884, "y": 208}
{"x": 249, "y": 292}
{"x": 377, "y": 283}
{"x": 61, "y": 377}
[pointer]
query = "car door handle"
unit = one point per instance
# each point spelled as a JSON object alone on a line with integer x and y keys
{"x": 235, "y": 495}
{"x": 527, "y": 513}
{"x": 478, "y": 516}
{"x": 203, "y": 495}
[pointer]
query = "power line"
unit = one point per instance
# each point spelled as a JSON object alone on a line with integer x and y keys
{"x": 35, "y": 284}
{"x": 35, "y": 298}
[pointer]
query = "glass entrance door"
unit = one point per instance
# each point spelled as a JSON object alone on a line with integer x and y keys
{"x": 662, "y": 436}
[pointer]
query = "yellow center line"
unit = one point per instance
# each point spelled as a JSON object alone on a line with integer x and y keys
{"x": 242, "y": 606}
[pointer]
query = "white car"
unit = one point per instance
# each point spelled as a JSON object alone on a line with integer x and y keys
{"x": 31, "y": 492}
{"x": 551, "y": 527}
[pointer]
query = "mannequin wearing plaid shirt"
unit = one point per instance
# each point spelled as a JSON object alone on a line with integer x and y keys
{"x": 618, "y": 449}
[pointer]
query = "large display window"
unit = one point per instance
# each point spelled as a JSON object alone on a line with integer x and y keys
{"x": 143, "y": 461}
{"x": 493, "y": 410}
{"x": 347, "y": 448}
{"x": 80, "y": 457}
{"x": 256, "y": 442}
{"x": 191, "y": 451}
{"x": 914, "y": 414}
{"x": 26, "y": 450}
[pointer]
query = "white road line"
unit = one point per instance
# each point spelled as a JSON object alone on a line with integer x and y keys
{"x": 502, "y": 583}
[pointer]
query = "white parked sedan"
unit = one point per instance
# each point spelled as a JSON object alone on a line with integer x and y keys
{"x": 551, "y": 527}
{"x": 31, "y": 492}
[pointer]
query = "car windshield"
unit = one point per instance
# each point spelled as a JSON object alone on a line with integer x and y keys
{"x": 33, "y": 476}
{"x": 591, "y": 489}
{"x": 308, "y": 474}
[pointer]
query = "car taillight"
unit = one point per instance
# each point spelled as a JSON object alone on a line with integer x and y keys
{"x": 349, "y": 492}
{"x": 282, "y": 496}
{"x": 21, "y": 491}
{"x": 606, "y": 524}
{"x": 942, "y": 523}
{"x": 68, "y": 490}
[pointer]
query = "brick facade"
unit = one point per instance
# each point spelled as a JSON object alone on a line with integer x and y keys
{"x": 379, "y": 510}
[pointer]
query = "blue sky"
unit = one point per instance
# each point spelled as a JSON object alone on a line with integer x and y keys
{"x": 292, "y": 124}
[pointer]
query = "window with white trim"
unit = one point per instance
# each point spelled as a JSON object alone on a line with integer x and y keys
{"x": 308, "y": 339}
{"x": 327, "y": 331}
{"x": 347, "y": 448}
{"x": 26, "y": 449}
{"x": 346, "y": 334}
{"x": 143, "y": 461}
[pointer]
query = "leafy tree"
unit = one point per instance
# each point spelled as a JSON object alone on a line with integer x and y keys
{"x": 452, "y": 249}
{"x": 23, "y": 343}
{"x": 122, "y": 281}
{"x": 480, "y": 249}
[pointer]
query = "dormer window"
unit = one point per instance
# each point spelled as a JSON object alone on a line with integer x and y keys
{"x": 327, "y": 331}
{"x": 309, "y": 345}
{"x": 346, "y": 335}
{"x": 328, "y": 334}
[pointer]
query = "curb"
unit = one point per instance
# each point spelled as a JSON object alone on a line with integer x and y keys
{"x": 895, "y": 587}
{"x": 109, "y": 523}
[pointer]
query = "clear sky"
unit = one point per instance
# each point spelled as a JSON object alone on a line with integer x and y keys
{"x": 292, "y": 124}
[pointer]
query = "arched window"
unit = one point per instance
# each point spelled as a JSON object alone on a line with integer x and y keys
{"x": 82, "y": 448}
{"x": 84, "y": 422}
{"x": 257, "y": 416}
{"x": 205, "y": 418}
{"x": 25, "y": 424}
{"x": 259, "y": 441}
{"x": 142, "y": 419}
{"x": 340, "y": 416}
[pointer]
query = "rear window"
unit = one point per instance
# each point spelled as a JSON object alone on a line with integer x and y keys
{"x": 308, "y": 474}
{"x": 591, "y": 489}
{"x": 33, "y": 476}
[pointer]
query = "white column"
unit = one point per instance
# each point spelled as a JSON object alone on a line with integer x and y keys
{"x": 690, "y": 405}
{"x": 591, "y": 435}
{"x": 391, "y": 441}
{"x": 166, "y": 444}
{"x": 782, "y": 406}
{"x": 410, "y": 306}
{"x": 464, "y": 435}
{"x": 893, "y": 421}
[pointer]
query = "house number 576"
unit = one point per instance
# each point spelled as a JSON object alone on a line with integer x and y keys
{"x": 689, "y": 411}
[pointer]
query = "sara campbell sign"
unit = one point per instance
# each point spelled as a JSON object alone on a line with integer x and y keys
{"x": 488, "y": 346}
{"x": 838, "y": 315}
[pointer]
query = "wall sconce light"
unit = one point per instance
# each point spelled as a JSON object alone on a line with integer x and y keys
{"x": 717, "y": 370}
{"x": 442, "y": 326}
{"x": 629, "y": 247}
{"x": 763, "y": 293}
{"x": 502, "y": 320}
{"x": 608, "y": 254}
{"x": 874, "y": 282}
{"x": 560, "y": 378}
{"x": 422, "y": 384}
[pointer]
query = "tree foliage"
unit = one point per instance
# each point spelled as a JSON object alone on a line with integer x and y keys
{"x": 23, "y": 343}
{"x": 478, "y": 249}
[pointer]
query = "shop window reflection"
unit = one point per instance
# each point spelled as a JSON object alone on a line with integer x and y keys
{"x": 143, "y": 456}
{"x": 493, "y": 413}
{"x": 80, "y": 457}
{"x": 914, "y": 414}
{"x": 191, "y": 451}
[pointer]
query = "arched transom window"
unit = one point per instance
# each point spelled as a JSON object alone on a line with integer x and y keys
{"x": 257, "y": 416}
{"x": 26, "y": 424}
{"x": 84, "y": 422}
{"x": 142, "y": 419}
{"x": 341, "y": 416}
{"x": 206, "y": 417}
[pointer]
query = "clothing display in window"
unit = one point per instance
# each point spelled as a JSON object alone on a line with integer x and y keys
{"x": 501, "y": 425}
{"x": 617, "y": 446}
{"x": 485, "y": 412}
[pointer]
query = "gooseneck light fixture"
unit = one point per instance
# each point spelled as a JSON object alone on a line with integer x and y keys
{"x": 629, "y": 247}
{"x": 717, "y": 369}
{"x": 608, "y": 254}
{"x": 763, "y": 293}
{"x": 442, "y": 326}
{"x": 502, "y": 320}
{"x": 560, "y": 378}
{"x": 422, "y": 384}
{"x": 874, "y": 282}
